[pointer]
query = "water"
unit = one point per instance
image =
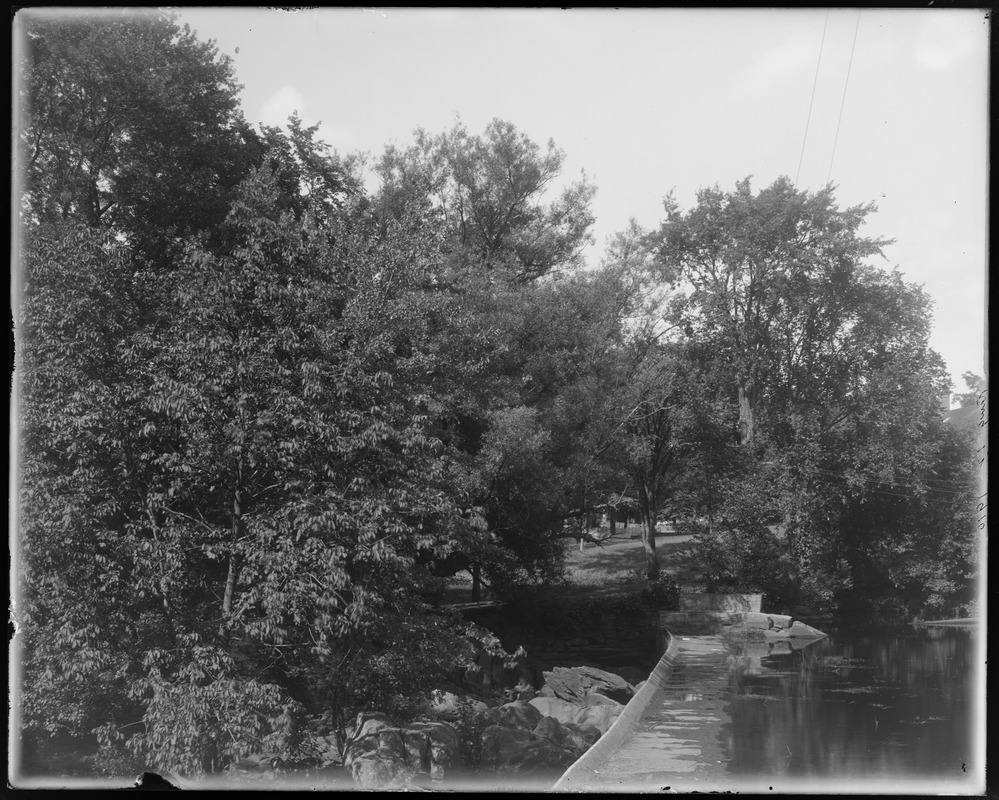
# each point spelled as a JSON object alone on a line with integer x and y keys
{"x": 872, "y": 711}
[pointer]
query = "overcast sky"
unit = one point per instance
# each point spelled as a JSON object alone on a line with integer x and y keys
{"x": 646, "y": 101}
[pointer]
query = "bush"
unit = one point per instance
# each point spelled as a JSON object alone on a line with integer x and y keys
{"x": 661, "y": 593}
{"x": 469, "y": 725}
{"x": 748, "y": 559}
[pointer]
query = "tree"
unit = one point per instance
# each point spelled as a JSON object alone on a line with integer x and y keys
{"x": 827, "y": 360}
{"x": 769, "y": 281}
{"x": 231, "y": 495}
{"x": 486, "y": 196}
{"x": 129, "y": 123}
{"x": 975, "y": 384}
{"x": 487, "y": 191}
{"x": 648, "y": 426}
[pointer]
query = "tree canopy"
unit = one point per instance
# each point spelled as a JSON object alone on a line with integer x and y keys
{"x": 265, "y": 415}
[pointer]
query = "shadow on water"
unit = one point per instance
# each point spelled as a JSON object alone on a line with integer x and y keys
{"x": 887, "y": 704}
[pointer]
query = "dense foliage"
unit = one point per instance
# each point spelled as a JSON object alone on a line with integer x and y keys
{"x": 264, "y": 415}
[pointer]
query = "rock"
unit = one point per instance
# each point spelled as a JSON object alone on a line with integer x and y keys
{"x": 512, "y": 750}
{"x": 518, "y": 715}
{"x": 368, "y": 723}
{"x": 755, "y": 620}
{"x": 556, "y": 707}
{"x": 416, "y": 748}
{"x": 780, "y": 622}
{"x": 551, "y": 729}
{"x": 371, "y": 772}
{"x": 799, "y": 630}
{"x": 600, "y": 711}
{"x": 576, "y": 683}
{"x": 565, "y": 683}
{"x": 450, "y": 706}
{"x": 442, "y": 747}
{"x": 760, "y": 627}
{"x": 600, "y": 717}
{"x": 569, "y": 735}
{"x": 383, "y": 754}
{"x": 581, "y": 737}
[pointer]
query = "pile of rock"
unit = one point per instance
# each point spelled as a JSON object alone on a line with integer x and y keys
{"x": 761, "y": 627}
{"x": 538, "y": 735}
{"x": 519, "y": 739}
{"x": 383, "y": 754}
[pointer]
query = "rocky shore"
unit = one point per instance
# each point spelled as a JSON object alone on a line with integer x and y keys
{"x": 535, "y": 737}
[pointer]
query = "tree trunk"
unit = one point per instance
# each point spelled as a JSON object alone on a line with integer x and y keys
{"x": 711, "y": 520}
{"x": 476, "y": 583}
{"x": 648, "y": 508}
{"x": 237, "y": 530}
{"x": 747, "y": 421}
{"x": 610, "y": 517}
{"x": 649, "y": 543}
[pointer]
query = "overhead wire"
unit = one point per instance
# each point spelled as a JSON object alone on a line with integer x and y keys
{"x": 811, "y": 102}
{"x": 849, "y": 67}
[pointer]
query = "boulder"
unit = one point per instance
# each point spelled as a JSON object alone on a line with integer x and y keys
{"x": 449, "y": 706}
{"x": 581, "y": 737}
{"x": 441, "y": 752}
{"x": 770, "y": 628}
{"x": 607, "y": 684}
{"x": 600, "y": 717}
{"x": 372, "y": 772}
{"x": 513, "y": 750}
{"x": 568, "y": 735}
{"x": 551, "y": 729}
{"x": 518, "y": 714}
{"x": 369, "y": 723}
{"x": 556, "y": 707}
{"x": 565, "y": 683}
{"x": 383, "y": 754}
{"x": 576, "y": 683}
{"x": 599, "y": 711}
{"x": 756, "y": 620}
{"x": 799, "y": 630}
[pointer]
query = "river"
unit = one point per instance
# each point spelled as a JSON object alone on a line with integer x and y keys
{"x": 883, "y": 711}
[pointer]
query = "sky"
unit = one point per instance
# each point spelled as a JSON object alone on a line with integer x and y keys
{"x": 889, "y": 104}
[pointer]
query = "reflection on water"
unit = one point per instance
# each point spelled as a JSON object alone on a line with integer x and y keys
{"x": 873, "y": 705}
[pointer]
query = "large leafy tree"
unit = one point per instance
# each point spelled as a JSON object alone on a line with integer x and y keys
{"x": 490, "y": 191}
{"x": 504, "y": 238}
{"x": 827, "y": 360}
{"x": 127, "y": 122}
{"x": 771, "y": 280}
{"x": 227, "y": 465}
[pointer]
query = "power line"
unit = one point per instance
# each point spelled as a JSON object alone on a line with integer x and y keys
{"x": 815, "y": 82}
{"x": 843, "y": 101}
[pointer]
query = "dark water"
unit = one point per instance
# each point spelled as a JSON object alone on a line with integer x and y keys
{"x": 887, "y": 711}
{"x": 897, "y": 703}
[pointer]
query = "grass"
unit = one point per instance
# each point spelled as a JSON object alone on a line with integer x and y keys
{"x": 602, "y": 570}
{"x": 609, "y": 568}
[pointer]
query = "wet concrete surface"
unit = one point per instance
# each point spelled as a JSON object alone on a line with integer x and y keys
{"x": 676, "y": 745}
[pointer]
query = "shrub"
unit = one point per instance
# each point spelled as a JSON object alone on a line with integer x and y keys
{"x": 661, "y": 593}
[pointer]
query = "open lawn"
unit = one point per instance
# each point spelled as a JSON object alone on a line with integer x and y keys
{"x": 609, "y": 568}
{"x": 602, "y": 569}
